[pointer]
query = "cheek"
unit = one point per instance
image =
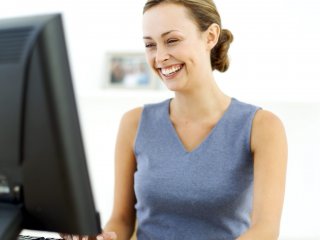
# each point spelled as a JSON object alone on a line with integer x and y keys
{"x": 150, "y": 59}
{"x": 185, "y": 52}
{"x": 194, "y": 56}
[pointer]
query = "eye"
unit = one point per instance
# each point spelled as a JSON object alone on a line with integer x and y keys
{"x": 172, "y": 41}
{"x": 150, "y": 45}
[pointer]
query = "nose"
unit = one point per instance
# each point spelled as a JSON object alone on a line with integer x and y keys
{"x": 162, "y": 55}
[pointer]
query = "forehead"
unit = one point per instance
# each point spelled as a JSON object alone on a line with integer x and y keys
{"x": 165, "y": 17}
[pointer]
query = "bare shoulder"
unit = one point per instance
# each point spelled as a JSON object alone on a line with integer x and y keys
{"x": 267, "y": 128}
{"x": 266, "y": 119}
{"x": 129, "y": 123}
{"x": 132, "y": 117}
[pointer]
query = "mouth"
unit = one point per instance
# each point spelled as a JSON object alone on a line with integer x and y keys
{"x": 171, "y": 70}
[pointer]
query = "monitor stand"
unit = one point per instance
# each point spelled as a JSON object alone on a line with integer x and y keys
{"x": 10, "y": 221}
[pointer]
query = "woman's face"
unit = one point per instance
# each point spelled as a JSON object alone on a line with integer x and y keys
{"x": 175, "y": 49}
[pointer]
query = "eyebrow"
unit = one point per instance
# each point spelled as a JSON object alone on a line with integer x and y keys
{"x": 162, "y": 35}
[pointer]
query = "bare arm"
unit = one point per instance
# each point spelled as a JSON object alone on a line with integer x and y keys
{"x": 122, "y": 220}
{"x": 269, "y": 148}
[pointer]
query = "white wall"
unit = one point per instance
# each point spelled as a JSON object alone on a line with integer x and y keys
{"x": 276, "y": 47}
{"x": 275, "y": 61}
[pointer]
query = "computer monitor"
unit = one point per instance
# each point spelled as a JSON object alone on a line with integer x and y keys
{"x": 44, "y": 180}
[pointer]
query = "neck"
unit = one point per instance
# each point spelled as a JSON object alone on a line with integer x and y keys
{"x": 202, "y": 102}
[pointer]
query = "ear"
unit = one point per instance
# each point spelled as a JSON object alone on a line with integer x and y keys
{"x": 212, "y": 35}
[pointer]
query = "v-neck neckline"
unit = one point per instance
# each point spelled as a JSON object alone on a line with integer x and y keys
{"x": 178, "y": 139}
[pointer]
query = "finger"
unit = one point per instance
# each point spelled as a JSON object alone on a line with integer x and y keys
{"x": 100, "y": 237}
{"x": 75, "y": 237}
{"x": 109, "y": 236}
{"x": 66, "y": 237}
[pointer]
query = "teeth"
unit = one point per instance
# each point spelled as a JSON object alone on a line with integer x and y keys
{"x": 170, "y": 70}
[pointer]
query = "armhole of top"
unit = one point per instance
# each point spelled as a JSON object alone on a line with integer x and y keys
{"x": 252, "y": 116}
{"x": 138, "y": 131}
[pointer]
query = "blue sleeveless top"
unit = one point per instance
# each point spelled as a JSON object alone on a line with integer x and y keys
{"x": 203, "y": 194}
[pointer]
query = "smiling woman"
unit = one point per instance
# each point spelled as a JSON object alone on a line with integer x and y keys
{"x": 174, "y": 36}
{"x": 202, "y": 165}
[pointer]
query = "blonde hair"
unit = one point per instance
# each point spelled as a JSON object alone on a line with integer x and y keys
{"x": 204, "y": 13}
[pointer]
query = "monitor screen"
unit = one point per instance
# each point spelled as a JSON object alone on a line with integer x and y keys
{"x": 44, "y": 180}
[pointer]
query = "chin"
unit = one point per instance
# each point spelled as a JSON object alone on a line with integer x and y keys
{"x": 176, "y": 87}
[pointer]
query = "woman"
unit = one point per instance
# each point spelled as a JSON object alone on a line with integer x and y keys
{"x": 202, "y": 165}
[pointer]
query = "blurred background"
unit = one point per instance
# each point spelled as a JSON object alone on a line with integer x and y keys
{"x": 275, "y": 63}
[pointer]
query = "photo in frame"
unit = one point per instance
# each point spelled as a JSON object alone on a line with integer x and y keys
{"x": 128, "y": 70}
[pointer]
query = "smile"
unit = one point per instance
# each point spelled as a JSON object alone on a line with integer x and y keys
{"x": 167, "y": 72}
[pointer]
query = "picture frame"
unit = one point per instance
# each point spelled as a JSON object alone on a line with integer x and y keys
{"x": 128, "y": 70}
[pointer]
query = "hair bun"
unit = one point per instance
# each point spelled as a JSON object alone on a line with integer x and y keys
{"x": 219, "y": 54}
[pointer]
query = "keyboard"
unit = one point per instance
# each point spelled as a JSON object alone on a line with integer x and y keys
{"x": 25, "y": 237}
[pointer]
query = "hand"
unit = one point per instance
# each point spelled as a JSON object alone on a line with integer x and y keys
{"x": 75, "y": 237}
{"x": 102, "y": 236}
{"x": 107, "y": 236}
